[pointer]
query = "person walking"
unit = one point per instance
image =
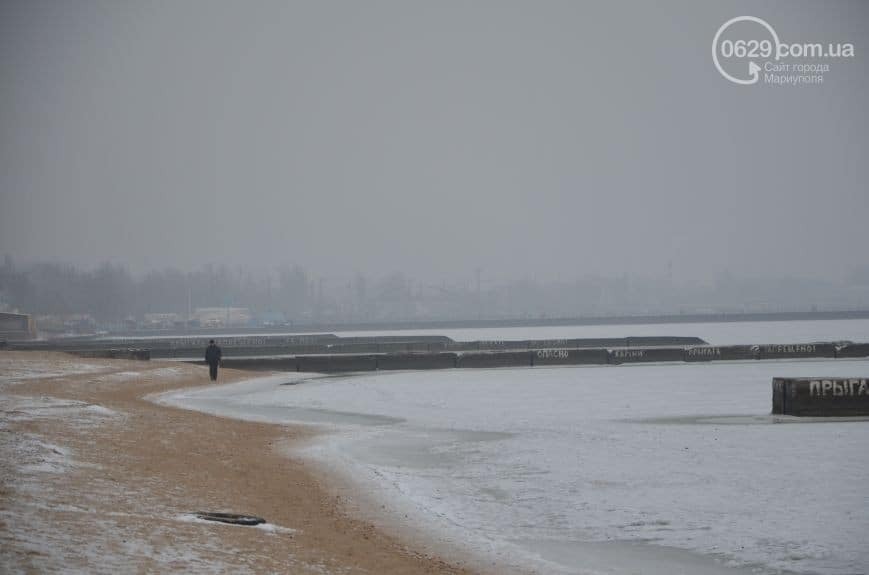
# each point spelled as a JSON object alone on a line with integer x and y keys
{"x": 213, "y": 354}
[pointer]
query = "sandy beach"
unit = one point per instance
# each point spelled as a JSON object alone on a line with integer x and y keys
{"x": 95, "y": 478}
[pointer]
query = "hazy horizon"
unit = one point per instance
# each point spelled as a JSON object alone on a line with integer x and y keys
{"x": 548, "y": 141}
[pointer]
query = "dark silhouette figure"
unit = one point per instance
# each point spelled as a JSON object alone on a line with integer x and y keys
{"x": 213, "y": 354}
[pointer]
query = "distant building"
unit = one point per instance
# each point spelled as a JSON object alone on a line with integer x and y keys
{"x": 160, "y": 320}
{"x": 271, "y": 319}
{"x": 67, "y": 324}
{"x": 223, "y": 316}
{"x": 16, "y": 326}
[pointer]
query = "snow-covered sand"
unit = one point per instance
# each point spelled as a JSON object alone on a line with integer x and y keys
{"x": 550, "y": 467}
{"x": 94, "y": 480}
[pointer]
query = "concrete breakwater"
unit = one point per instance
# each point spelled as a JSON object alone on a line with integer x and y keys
{"x": 330, "y": 344}
{"x": 330, "y": 353}
{"x": 334, "y": 363}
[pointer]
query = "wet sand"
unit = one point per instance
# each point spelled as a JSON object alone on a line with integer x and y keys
{"x": 95, "y": 478}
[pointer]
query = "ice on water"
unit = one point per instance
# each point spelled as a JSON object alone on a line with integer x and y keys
{"x": 554, "y": 467}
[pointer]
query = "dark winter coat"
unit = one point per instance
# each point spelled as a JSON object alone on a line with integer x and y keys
{"x": 213, "y": 354}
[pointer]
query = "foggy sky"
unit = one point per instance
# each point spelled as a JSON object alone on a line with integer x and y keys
{"x": 530, "y": 139}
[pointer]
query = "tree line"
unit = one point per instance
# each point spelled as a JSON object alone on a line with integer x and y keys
{"x": 109, "y": 292}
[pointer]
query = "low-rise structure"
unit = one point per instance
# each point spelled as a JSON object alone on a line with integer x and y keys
{"x": 16, "y": 326}
{"x": 214, "y": 317}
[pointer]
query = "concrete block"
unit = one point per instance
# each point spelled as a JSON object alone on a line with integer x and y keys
{"x": 796, "y": 350}
{"x": 569, "y": 357}
{"x": 336, "y": 363}
{"x": 820, "y": 397}
{"x": 261, "y": 363}
{"x": 495, "y": 359}
{"x": 853, "y": 350}
{"x": 720, "y": 353}
{"x": 416, "y": 361}
{"x": 644, "y": 355}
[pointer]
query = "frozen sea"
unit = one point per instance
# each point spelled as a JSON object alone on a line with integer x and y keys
{"x": 661, "y": 468}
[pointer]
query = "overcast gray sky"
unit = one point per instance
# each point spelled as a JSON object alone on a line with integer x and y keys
{"x": 532, "y": 139}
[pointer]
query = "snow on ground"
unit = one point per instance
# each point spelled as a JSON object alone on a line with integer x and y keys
{"x": 18, "y": 368}
{"x": 37, "y": 516}
{"x": 33, "y": 472}
{"x": 267, "y": 527}
{"x": 53, "y": 514}
{"x": 120, "y": 542}
{"x": 121, "y": 376}
{"x": 650, "y": 468}
{"x": 164, "y": 373}
{"x": 25, "y": 408}
{"x": 27, "y": 453}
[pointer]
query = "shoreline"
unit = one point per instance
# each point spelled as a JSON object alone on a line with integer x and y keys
{"x": 373, "y": 499}
{"x": 360, "y": 496}
{"x": 133, "y": 473}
